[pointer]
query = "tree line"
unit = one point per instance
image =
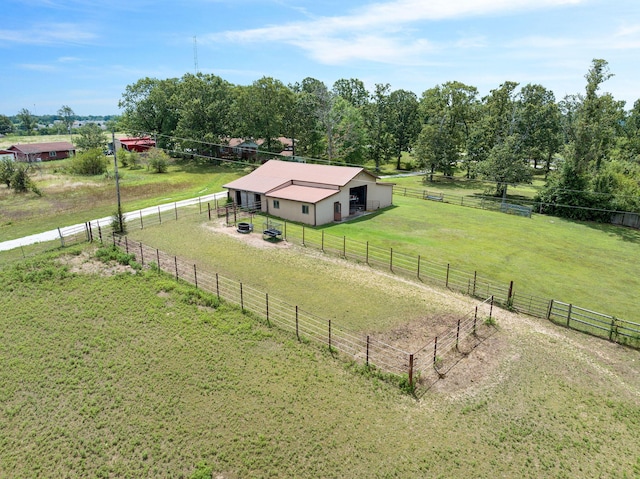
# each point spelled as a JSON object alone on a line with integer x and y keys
{"x": 586, "y": 145}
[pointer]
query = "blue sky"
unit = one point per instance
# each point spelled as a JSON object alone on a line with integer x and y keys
{"x": 83, "y": 53}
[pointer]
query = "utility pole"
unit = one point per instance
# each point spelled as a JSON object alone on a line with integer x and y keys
{"x": 115, "y": 164}
{"x": 195, "y": 54}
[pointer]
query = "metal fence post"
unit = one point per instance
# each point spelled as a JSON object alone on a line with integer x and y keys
{"x": 61, "y": 237}
{"x": 391, "y": 259}
{"x": 158, "y": 259}
{"x": 266, "y": 295}
{"x": 367, "y": 350}
{"x": 141, "y": 254}
{"x": 159, "y": 215}
{"x": 458, "y": 336}
{"x": 418, "y": 266}
{"x": 411, "y": 370}
{"x": 175, "y": 207}
{"x": 446, "y": 283}
{"x": 550, "y": 309}
{"x": 141, "y": 223}
{"x": 241, "y": 299}
{"x": 435, "y": 350}
{"x": 569, "y": 314}
{"x": 329, "y": 335}
{"x": 175, "y": 261}
{"x": 217, "y": 286}
{"x": 195, "y": 275}
{"x": 297, "y": 332}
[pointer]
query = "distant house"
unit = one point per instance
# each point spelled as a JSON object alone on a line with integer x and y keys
{"x": 136, "y": 144}
{"x": 57, "y": 150}
{"x": 309, "y": 193}
{"x": 247, "y": 149}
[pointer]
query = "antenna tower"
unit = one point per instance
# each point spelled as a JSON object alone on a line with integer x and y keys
{"x": 195, "y": 54}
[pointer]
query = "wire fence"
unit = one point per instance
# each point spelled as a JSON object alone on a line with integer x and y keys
{"x": 410, "y": 266}
{"x": 519, "y": 206}
{"x": 360, "y": 347}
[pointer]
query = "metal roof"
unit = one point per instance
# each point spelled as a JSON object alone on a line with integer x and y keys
{"x": 31, "y": 148}
{"x": 276, "y": 174}
{"x": 303, "y": 194}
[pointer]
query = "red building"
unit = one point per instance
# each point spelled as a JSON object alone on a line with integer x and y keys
{"x": 56, "y": 150}
{"x": 136, "y": 144}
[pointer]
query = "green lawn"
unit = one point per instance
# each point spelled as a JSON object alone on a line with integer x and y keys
{"x": 126, "y": 376}
{"x": 589, "y": 264}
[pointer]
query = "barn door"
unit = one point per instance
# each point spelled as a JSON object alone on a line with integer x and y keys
{"x": 337, "y": 211}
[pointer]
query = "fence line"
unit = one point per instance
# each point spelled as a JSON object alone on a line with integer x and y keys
{"x": 357, "y": 346}
{"x": 372, "y": 255}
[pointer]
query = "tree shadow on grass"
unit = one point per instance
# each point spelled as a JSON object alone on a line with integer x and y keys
{"x": 625, "y": 233}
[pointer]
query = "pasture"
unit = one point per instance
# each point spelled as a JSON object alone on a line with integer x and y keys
{"x": 108, "y": 373}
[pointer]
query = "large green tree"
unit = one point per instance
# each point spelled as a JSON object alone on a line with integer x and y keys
{"x": 449, "y": 113}
{"x": 261, "y": 109}
{"x": 539, "y": 124}
{"x": 6, "y": 126}
{"x": 90, "y": 136}
{"x": 150, "y": 107}
{"x": 67, "y": 115}
{"x": 205, "y": 103}
{"x": 378, "y": 120}
{"x": 404, "y": 120}
{"x": 27, "y": 121}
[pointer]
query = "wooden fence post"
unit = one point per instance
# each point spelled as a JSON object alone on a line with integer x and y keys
{"x": 550, "y": 309}
{"x": 510, "y": 295}
{"x": 175, "y": 207}
{"x": 141, "y": 223}
{"x": 418, "y": 266}
{"x": 175, "y": 260}
{"x": 209, "y": 210}
{"x": 491, "y": 308}
{"x": 159, "y": 215}
{"x": 141, "y": 254}
{"x": 569, "y": 315}
{"x": 446, "y": 283}
{"x": 614, "y": 327}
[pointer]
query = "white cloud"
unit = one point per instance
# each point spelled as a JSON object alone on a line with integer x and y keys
{"x": 48, "y": 34}
{"x": 40, "y": 67}
{"x": 341, "y": 39}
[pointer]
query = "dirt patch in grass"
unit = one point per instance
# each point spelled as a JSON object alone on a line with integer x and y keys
{"x": 86, "y": 263}
{"x": 254, "y": 238}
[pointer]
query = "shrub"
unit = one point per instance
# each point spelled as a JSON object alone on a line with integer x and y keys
{"x": 158, "y": 160}
{"x": 90, "y": 162}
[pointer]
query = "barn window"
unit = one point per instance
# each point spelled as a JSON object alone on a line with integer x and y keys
{"x": 305, "y": 209}
{"x": 52, "y": 154}
{"x": 276, "y": 204}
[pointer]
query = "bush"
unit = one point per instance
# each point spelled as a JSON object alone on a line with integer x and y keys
{"x": 90, "y": 162}
{"x": 158, "y": 160}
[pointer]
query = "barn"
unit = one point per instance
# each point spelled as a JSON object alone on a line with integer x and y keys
{"x": 309, "y": 193}
{"x": 56, "y": 150}
{"x": 140, "y": 144}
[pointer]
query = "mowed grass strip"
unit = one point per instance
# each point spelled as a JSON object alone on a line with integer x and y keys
{"x": 127, "y": 375}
